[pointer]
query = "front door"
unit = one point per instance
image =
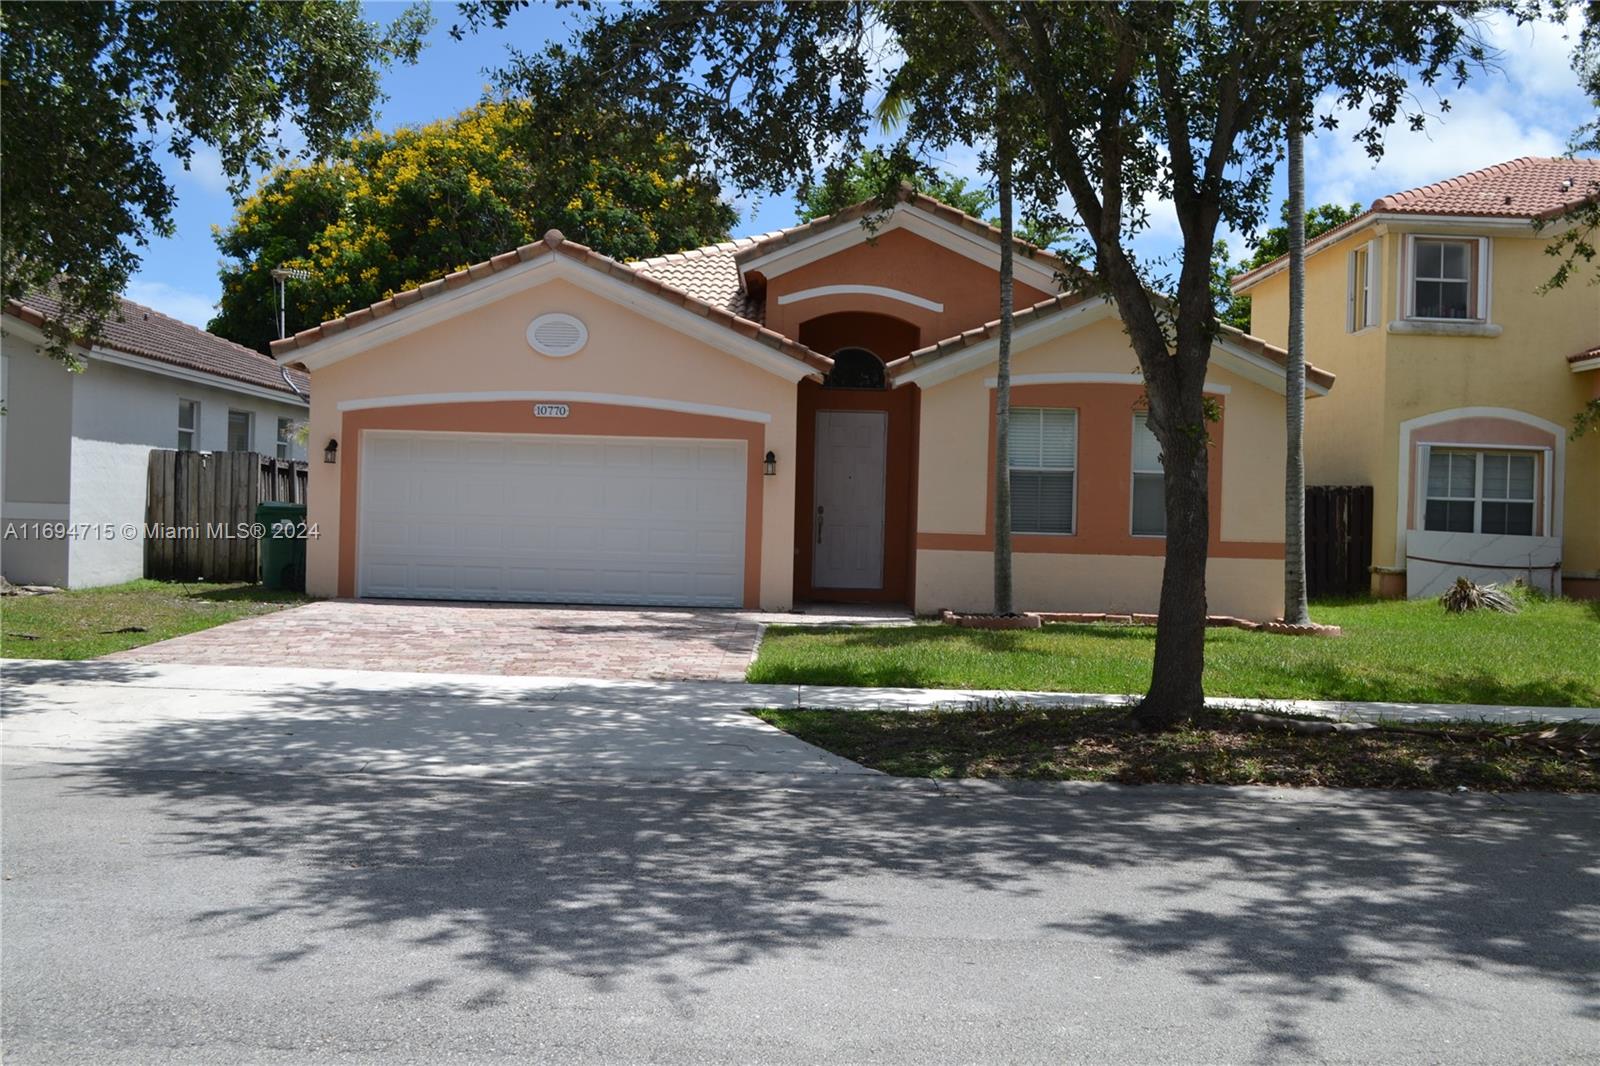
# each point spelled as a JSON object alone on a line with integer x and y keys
{"x": 847, "y": 523}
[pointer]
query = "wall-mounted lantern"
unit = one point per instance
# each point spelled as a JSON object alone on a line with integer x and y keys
{"x": 330, "y": 454}
{"x": 770, "y": 464}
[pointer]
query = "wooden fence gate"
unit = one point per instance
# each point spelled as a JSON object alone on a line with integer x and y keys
{"x": 1338, "y": 539}
{"x": 199, "y": 507}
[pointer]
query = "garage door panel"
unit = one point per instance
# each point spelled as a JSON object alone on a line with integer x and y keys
{"x": 593, "y": 520}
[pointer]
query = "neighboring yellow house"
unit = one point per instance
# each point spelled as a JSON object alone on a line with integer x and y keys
{"x": 1458, "y": 379}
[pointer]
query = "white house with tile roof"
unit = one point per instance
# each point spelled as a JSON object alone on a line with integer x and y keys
{"x": 75, "y": 447}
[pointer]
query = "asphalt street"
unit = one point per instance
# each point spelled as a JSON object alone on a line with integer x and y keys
{"x": 209, "y": 865}
{"x": 208, "y": 917}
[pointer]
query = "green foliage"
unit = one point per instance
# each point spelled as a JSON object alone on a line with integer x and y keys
{"x": 1586, "y": 419}
{"x": 868, "y": 177}
{"x": 391, "y": 211}
{"x": 1235, "y": 310}
{"x": 94, "y": 90}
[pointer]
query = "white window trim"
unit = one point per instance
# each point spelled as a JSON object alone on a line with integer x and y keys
{"x": 249, "y": 428}
{"x": 1077, "y": 419}
{"x": 194, "y": 431}
{"x": 1408, "y": 292}
{"x": 1544, "y": 514}
{"x": 280, "y": 441}
{"x": 1371, "y": 283}
{"x": 1133, "y": 474}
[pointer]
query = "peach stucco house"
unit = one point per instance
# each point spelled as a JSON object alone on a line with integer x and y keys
{"x": 803, "y": 416}
{"x": 1458, "y": 378}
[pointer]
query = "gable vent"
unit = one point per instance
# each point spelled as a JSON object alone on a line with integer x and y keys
{"x": 557, "y": 335}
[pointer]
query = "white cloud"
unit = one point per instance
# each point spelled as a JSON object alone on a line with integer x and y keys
{"x": 182, "y": 304}
{"x": 1536, "y": 56}
{"x": 1483, "y": 126}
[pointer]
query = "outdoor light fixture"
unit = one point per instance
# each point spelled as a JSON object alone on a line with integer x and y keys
{"x": 771, "y": 463}
{"x": 330, "y": 454}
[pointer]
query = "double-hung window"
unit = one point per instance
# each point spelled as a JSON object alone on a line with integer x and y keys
{"x": 1444, "y": 278}
{"x": 188, "y": 425}
{"x": 1480, "y": 492}
{"x": 285, "y": 437}
{"x": 1149, "y": 481}
{"x": 1043, "y": 459}
{"x": 1361, "y": 308}
{"x": 239, "y": 426}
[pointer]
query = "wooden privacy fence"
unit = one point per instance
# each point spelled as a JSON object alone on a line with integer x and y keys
{"x": 199, "y": 508}
{"x": 1338, "y": 539}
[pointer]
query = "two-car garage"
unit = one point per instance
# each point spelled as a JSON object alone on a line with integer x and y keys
{"x": 552, "y": 518}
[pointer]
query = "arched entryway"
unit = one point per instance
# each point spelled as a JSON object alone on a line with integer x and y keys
{"x": 857, "y": 475}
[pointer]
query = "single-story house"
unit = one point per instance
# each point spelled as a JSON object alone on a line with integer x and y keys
{"x": 75, "y": 450}
{"x": 802, "y": 416}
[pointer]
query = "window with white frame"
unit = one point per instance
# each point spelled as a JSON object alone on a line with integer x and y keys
{"x": 285, "y": 437}
{"x": 1480, "y": 492}
{"x": 1445, "y": 278}
{"x": 1043, "y": 459}
{"x": 239, "y": 427}
{"x": 188, "y": 425}
{"x": 1149, "y": 518}
{"x": 1362, "y": 288}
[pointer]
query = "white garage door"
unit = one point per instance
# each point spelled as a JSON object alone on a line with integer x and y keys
{"x": 554, "y": 519}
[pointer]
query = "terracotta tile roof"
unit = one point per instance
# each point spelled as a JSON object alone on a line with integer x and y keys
{"x": 556, "y": 244}
{"x": 1055, "y": 305}
{"x": 782, "y": 238}
{"x": 140, "y": 330}
{"x": 710, "y": 274}
{"x": 1584, "y": 356}
{"x": 1533, "y": 187}
{"x": 1536, "y": 188}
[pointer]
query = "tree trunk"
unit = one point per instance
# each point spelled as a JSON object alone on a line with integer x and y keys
{"x": 1176, "y": 693}
{"x": 1295, "y": 609}
{"x": 1003, "y": 601}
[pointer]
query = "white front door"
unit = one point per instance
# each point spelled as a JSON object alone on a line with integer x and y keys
{"x": 554, "y": 519}
{"x": 847, "y": 524}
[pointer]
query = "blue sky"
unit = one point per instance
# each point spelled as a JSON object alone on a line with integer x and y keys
{"x": 1528, "y": 106}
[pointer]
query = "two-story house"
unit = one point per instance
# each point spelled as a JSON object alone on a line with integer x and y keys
{"x": 75, "y": 447}
{"x": 807, "y": 415}
{"x": 1458, "y": 378}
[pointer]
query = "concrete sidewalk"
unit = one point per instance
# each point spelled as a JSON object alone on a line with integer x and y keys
{"x": 722, "y": 695}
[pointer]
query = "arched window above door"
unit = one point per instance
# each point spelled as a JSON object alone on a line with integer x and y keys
{"x": 856, "y": 368}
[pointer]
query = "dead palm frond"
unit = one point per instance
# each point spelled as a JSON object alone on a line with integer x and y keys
{"x": 1466, "y": 596}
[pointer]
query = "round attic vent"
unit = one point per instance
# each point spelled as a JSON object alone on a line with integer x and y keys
{"x": 557, "y": 335}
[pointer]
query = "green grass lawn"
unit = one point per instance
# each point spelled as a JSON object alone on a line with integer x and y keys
{"x": 92, "y": 622}
{"x": 1392, "y": 650}
{"x": 1218, "y": 749}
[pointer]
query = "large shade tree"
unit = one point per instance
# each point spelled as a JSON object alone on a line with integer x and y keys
{"x": 97, "y": 93}
{"x": 388, "y": 211}
{"x": 1131, "y": 103}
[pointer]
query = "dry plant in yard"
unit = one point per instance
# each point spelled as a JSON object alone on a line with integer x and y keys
{"x": 1465, "y": 596}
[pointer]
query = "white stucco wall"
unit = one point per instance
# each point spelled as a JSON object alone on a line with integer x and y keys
{"x": 37, "y": 457}
{"x": 119, "y": 414}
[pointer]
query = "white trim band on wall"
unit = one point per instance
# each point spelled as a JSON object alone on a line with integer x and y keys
{"x": 1090, "y": 379}
{"x": 613, "y": 399}
{"x": 861, "y": 290}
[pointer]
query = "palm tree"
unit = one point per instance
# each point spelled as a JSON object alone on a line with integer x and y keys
{"x": 1295, "y": 609}
{"x": 1003, "y": 603}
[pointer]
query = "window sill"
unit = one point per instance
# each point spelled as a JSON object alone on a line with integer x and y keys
{"x": 1444, "y": 328}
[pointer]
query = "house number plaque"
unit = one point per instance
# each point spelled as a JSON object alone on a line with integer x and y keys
{"x": 551, "y": 410}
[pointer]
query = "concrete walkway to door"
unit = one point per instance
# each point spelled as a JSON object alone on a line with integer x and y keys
{"x": 637, "y": 643}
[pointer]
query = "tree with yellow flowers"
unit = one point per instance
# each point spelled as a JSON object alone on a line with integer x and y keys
{"x": 392, "y": 210}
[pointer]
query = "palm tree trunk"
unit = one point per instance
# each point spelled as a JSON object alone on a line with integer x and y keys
{"x": 1003, "y": 601}
{"x": 1295, "y": 609}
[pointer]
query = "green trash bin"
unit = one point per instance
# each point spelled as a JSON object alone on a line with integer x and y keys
{"x": 282, "y": 547}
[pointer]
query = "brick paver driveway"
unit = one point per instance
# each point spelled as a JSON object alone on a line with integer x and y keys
{"x": 653, "y": 643}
